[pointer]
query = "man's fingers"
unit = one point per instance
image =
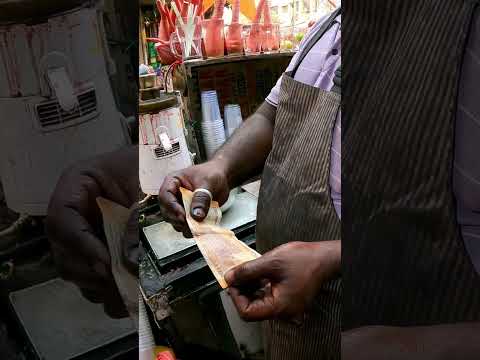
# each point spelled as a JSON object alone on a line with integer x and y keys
{"x": 168, "y": 197}
{"x": 73, "y": 228}
{"x": 95, "y": 297}
{"x": 200, "y": 204}
{"x": 76, "y": 269}
{"x": 251, "y": 272}
{"x": 115, "y": 308}
{"x": 255, "y": 309}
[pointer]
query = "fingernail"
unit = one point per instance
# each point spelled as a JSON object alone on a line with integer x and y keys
{"x": 198, "y": 212}
{"x": 229, "y": 277}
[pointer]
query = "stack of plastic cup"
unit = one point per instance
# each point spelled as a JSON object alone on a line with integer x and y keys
{"x": 210, "y": 107}
{"x": 213, "y": 131}
{"x": 233, "y": 118}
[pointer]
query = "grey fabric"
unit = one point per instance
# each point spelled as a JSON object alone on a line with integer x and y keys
{"x": 407, "y": 263}
{"x": 467, "y": 145}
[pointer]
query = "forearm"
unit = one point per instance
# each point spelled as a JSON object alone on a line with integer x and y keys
{"x": 438, "y": 342}
{"x": 335, "y": 256}
{"x": 244, "y": 154}
{"x": 454, "y": 341}
{"x": 326, "y": 255}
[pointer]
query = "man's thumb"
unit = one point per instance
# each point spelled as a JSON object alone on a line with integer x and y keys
{"x": 200, "y": 205}
{"x": 249, "y": 272}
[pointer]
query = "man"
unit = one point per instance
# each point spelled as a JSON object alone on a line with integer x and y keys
{"x": 399, "y": 228}
{"x": 309, "y": 226}
{"x": 295, "y": 138}
{"x": 302, "y": 304}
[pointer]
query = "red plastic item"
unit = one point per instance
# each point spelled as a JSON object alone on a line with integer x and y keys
{"x": 199, "y": 8}
{"x": 236, "y": 11}
{"x": 165, "y": 355}
{"x": 179, "y": 5}
{"x": 260, "y": 8}
{"x": 184, "y": 10}
{"x": 267, "y": 19}
{"x": 165, "y": 53}
{"x": 218, "y": 9}
{"x": 234, "y": 39}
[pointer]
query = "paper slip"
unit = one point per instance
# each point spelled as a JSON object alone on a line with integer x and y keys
{"x": 115, "y": 218}
{"x": 220, "y": 247}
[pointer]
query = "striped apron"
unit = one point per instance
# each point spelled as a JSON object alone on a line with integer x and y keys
{"x": 295, "y": 205}
{"x": 406, "y": 263}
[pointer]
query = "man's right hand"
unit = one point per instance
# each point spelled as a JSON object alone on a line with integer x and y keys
{"x": 210, "y": 175}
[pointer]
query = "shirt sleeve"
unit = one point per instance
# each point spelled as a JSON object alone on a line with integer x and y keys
{"x": 273, "y": 97}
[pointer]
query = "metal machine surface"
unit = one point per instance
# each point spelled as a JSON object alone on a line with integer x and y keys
{"x": 70, "y": 329}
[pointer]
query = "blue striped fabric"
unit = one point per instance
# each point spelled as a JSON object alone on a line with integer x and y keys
{"x": 467, "y": 146}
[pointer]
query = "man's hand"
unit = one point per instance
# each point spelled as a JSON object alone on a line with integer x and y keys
{"x": 74, "y": 225}
{"x": 240, "y": 158}
{"x": 210, "y": 175}
{"x": 283, "y": 283}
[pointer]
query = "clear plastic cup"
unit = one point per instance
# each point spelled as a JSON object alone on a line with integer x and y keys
{"x": 271, "y": 37}
{"x": 210, "y": 105}
{"x": 287, "y": 41}
{"x": 213, "y": 37}
{"x": 253, "y": 38}
{"x": 187, "y": 44}
{"x": 233, "y": 118}
{"x": 234, "y": 39}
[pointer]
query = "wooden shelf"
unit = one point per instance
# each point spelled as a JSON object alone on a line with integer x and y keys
{"x": 236, "y": 58}
{"x": 155, "y": 105}
{"x": 152, "y": 88}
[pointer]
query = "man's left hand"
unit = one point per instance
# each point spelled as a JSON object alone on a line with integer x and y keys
{"x": 283, "y": 283}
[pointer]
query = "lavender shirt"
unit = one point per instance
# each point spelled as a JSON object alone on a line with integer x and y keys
{"x": 318, "y": 69}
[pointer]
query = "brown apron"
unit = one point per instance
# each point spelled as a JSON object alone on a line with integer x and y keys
{"x": 295, "y": 205}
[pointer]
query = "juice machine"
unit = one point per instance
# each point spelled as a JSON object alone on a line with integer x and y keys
{"x": 162, "y": 141}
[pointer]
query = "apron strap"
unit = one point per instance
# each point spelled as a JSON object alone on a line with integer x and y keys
{"x": 311, "y": 43}
{"x": 337, "y": 81}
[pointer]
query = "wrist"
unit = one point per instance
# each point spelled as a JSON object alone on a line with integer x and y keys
{"x": 223, "y": 165}
{"x": 328, "y": 258}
